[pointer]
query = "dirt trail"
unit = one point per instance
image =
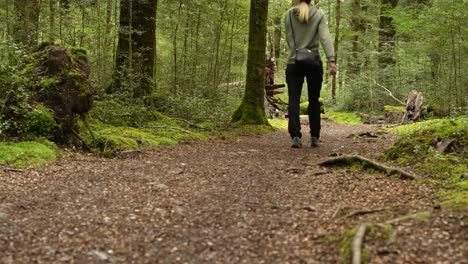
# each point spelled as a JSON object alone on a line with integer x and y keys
{"x": 250, "y": 200}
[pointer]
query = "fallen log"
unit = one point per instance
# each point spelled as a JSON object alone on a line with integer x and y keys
{"x": 367, "y": 163}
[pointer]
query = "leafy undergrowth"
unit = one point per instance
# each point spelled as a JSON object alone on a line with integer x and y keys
{"x": 418, "y": 147}
{"x": 27, "y": 153}
{"x": 118, "y": 128}
{"x": 344, "y": 117}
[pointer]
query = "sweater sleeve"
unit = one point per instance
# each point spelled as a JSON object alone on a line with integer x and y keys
{"x": 287, "y": 26}
{"x": 325, "y": 39}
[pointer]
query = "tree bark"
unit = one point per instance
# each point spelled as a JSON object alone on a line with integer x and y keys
{"x": 52, "y": 10}
{"x": 26, "y": 22}
{"x": 336, "y": 44}
{"x": 136, "y": 44}
{"x": 252, "y": 109}
{"x": 357, "y": 27}
{"x": 386, "y": 34}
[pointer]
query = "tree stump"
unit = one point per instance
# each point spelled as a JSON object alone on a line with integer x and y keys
{"x": 61, "y": 84}
{"x": 413, "y": 107}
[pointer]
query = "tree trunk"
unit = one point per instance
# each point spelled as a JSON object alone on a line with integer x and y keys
{"x": 251, "y": 111}
{"x": 52, "y": 8}
{"x": 356, "y": 26}
{"x": 26, "y": 22}
{"x": 386, "y": 34}
{"x": 135, "y": 49}
{"x": 336, "y": 44}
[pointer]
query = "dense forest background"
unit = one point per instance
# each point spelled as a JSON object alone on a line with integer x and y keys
{"x": 194, "y": 63}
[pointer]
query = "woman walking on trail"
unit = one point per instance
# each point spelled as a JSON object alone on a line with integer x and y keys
{"x": 305, "y": 27}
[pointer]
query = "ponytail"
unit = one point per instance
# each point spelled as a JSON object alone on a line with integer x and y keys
{"x": 303, "y": 12}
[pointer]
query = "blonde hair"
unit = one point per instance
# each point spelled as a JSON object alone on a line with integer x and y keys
{"x": 303, "y": 12}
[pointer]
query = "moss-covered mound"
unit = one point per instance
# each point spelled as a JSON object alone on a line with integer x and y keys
{"x": 60, "y": 82}
{"x": 118, "y": 128}
{"x": 27, "y": 154}
{"x": 437, "y": 147}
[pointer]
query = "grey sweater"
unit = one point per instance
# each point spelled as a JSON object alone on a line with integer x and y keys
{"x": 308, "y": 35}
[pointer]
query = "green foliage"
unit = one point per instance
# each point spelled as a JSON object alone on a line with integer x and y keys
{"x": 303, "y": 107}
{"x": 344, "y": 118}
{"x": 118, "y": 128}
{"x": 78, "y": 52}
{"x": 113, "y": 113}
{"x": 14, "y": 95}
{"x": 27, "y": 154}
{"x": 38, "y": 122}
{"x": 417, "y": 147}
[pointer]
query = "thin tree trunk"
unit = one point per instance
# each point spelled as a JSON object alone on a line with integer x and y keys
{"x": 52, "y": 10}
{"x": 336, "y": 44}
{"x": 356, "y": 26}
{"x": 174, "y": 45}
{"x": 386, "y": 34}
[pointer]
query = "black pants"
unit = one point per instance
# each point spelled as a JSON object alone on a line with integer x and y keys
{"x": 295, "y": 74}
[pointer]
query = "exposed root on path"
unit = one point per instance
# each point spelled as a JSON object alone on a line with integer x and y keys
{"x": 362, "y": 212}
{"x": 367, "y": 163}
{"x": 357, "y": 244}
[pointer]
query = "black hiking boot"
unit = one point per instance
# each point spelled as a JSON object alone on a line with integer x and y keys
{"x": 296, "y": 142}
{"x": 314, "y": 142}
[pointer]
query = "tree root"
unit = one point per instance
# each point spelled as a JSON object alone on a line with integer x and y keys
{"x": 367, "y": 163}
{"x": 356, "y": 246}
{"x": 362, "y": 212}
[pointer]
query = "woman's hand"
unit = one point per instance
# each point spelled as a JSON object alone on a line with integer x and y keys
{"x": 332, "y": 68}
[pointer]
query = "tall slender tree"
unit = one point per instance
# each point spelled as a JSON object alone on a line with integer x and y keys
{"x": 252, "y": 108}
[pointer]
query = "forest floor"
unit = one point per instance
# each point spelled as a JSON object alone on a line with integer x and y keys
{"x": 252, "y": 199}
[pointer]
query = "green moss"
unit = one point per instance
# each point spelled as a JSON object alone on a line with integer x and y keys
{"x": 278, "y": 123}
{"x": 27, "y": 154}
{"x": 248, "y": 114}
{"x": 417, "y": 147}
{"x": 108, "y": 138}
{"x": 304, "y": 106}
{"x": 47, "y": 83}
{"x": 345, "y": 251}
{"x": 392, "y": 108}
{"x": 344, "y": 118}
{"x": 79, "y": 53}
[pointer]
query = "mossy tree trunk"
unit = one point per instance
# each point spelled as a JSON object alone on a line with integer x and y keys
{"x": 252, "y": 109}
{"x": 26, "y": 22}
{"x": 136, "y": 47}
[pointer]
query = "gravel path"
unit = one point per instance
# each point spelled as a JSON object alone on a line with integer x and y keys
{"x": 248, "y": 200}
